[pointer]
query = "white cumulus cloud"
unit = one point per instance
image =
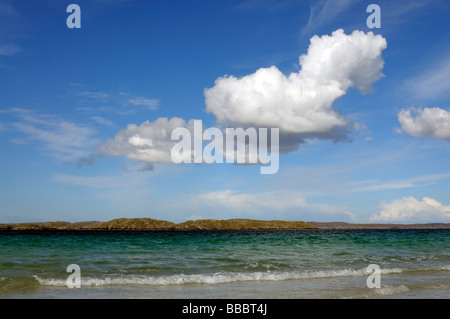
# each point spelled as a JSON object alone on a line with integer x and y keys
{"x": 301, "y": 104}
{"x": 428, "y": 122}
{"x": 149, "y": 142}
{"x": 409, "y": 209}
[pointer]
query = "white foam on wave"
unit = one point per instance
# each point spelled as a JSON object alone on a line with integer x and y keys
{"x": 391, "y": 290}
{"x": 217, "y": 278}
{"x": 445, "y": 267}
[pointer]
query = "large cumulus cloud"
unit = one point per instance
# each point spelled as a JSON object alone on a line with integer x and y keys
{"x": 409, "y": 209}
{"x": 300, "y": 104}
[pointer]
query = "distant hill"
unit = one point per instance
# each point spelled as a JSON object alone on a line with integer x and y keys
{"x": 240, "y": 224}
{"x": 154, "y": 224}
{"x": 130, "y": 224}
{"x": 343, "y": 225}
{"x": 59, "y": 225}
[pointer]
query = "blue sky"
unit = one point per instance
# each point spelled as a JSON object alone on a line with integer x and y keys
{"x": 69, "y": 97}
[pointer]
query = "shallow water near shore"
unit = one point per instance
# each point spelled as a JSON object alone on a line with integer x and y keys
{"x": 226, "y": 264}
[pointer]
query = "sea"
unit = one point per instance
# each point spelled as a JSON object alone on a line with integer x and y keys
{"x": 300, "y": 264}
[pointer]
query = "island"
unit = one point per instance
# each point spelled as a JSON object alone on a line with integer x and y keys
{"x": 150, "y": 224}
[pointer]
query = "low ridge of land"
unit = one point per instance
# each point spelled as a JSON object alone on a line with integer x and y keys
{"x": 137, "y": 224}
{"x": 241, "y": 224}
{"x": 155, "y": 224}
{"x": 343, "y": 225}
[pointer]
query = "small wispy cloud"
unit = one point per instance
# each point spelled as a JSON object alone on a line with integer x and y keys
{"x": 138, "y": 167}
{"x": 265, "y": 5}
{"x": 76, "y": 84}
{"x": 287, "y": 202}
{"x": 102, "y": 121}
{"x": 121, "y": 102}
{"x": 88, "y": 160}
{"x": 397, "y": 13}
{"x": 417, "y": 181}
{"x": 119, "y": 181}
{"x": 84, "y": 108}
{"x": 6, "y": 9}
{"x": 152, "y": 104}
{"x": 126, "y": 193}
{"x": 94, "y": 95}
{"x": 56, "y": 137}
{"x": 432, "y": 83}
{"x": 323, "y": 13}
{"x": 9, "y": 49}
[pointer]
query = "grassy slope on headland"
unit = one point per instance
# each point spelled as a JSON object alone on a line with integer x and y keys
{"x": 208, "y": 224}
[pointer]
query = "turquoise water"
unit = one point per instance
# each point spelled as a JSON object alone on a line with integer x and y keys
{"x": 244, "y": 264}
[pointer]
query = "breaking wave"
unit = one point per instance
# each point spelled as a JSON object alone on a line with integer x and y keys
{"x": 216, "y": 278}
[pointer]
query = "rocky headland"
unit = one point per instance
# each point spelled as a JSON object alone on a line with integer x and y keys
{"x": 150, "y": 224}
